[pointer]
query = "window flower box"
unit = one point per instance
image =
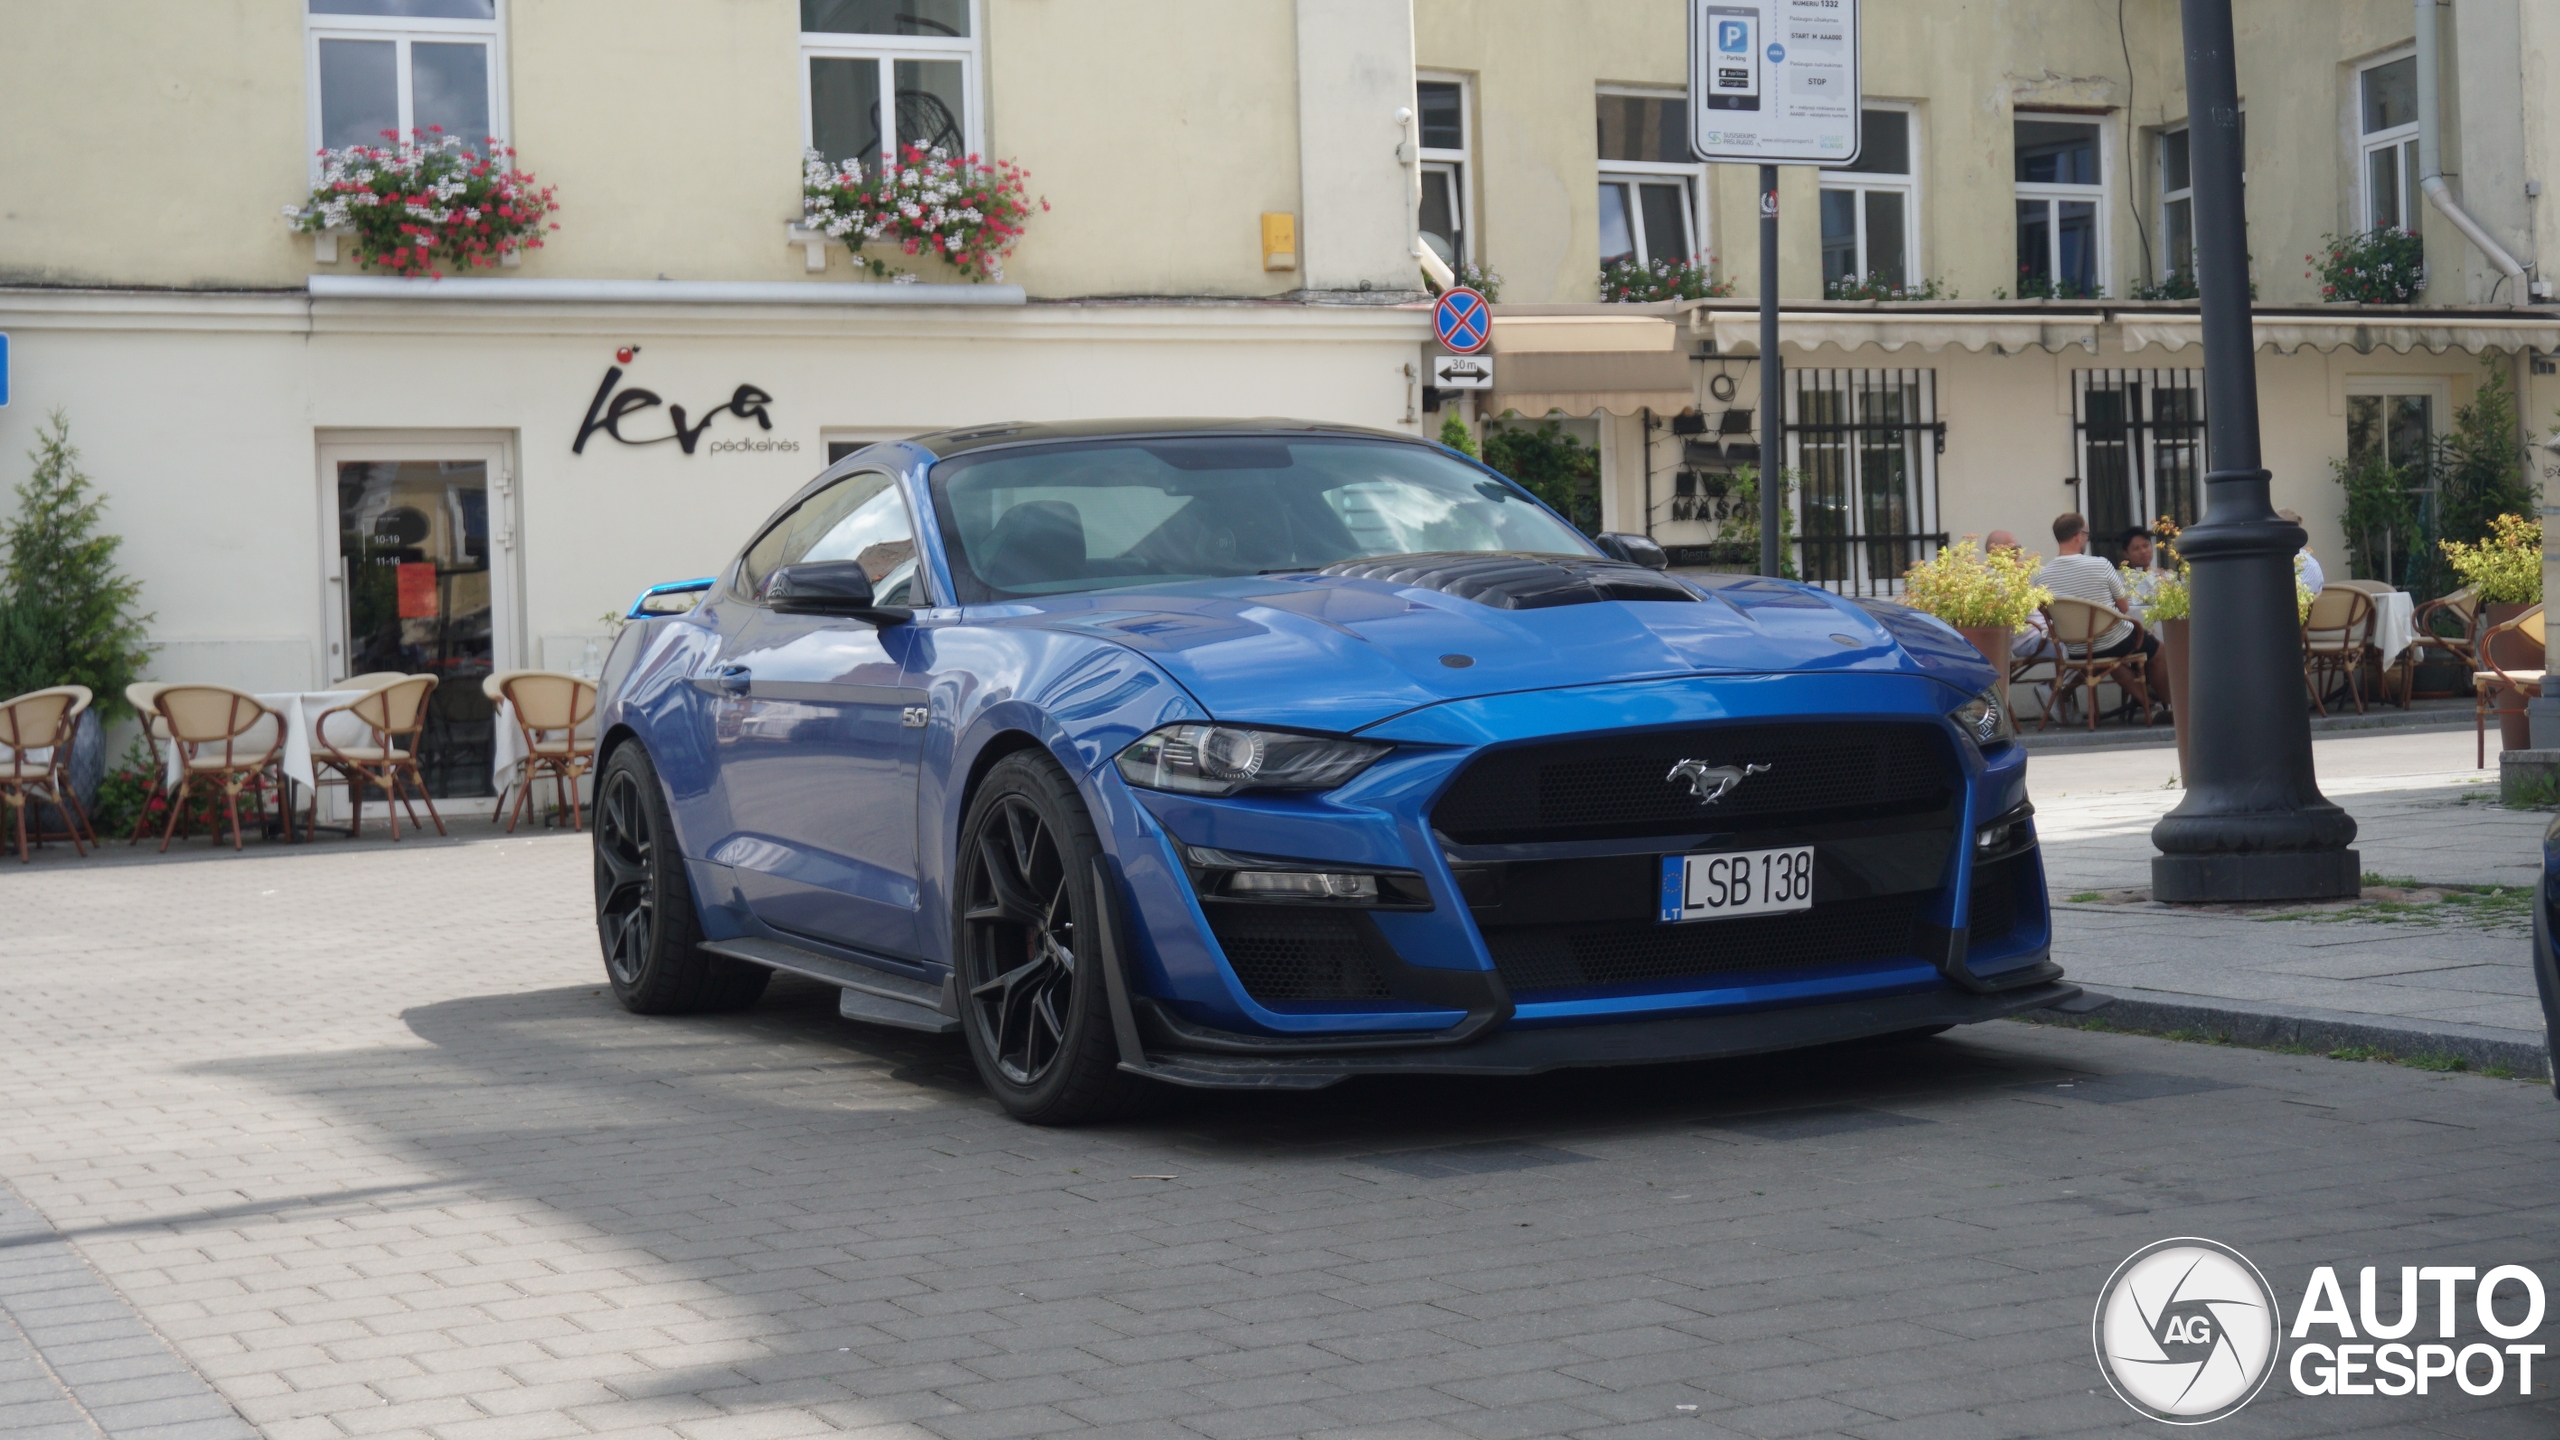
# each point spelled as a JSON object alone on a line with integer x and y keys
{"x": 418, "y": 205}
{"x": 965, "y": 211}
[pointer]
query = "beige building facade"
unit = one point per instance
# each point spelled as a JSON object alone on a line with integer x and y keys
{"x": 316, "y": 466}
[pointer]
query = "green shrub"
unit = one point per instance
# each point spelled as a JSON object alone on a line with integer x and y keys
{"x": 1552, "y": 465}
{"x": 69, "y": 611}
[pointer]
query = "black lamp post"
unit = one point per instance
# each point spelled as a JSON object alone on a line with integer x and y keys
{"x": 2253, "y": 825}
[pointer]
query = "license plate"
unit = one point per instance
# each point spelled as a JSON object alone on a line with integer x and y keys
{"x": 1737, "y": 882}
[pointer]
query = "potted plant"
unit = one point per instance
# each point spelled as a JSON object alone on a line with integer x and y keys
{"x": 2506, "y": 568}
{"x": 1986, "y": 597}
{"x": 2167, "y": 611}
{"x": 426, "y": 202}
{"x": 2384, "y": 266}
{"x": 966, "y": 211}
{"x": 1624, "y": 282}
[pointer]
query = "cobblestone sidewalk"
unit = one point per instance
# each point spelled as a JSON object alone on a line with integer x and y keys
{"x": 359, "y": 1133}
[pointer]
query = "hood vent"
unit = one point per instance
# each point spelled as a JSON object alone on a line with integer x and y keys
{"x": 1508, "y": 580}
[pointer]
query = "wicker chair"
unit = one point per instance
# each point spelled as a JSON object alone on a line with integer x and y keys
{"x": 550, "y": 708}
{"x": 2487, "y": 685}
{"x": 392, "y": 715}
{"x": 2077, "y": 625}
{"x": 225, "y": 738}
{"x": 2337, "y": 631}
{"x": 42, "y": 720}
{"x": 2463, "y": 608}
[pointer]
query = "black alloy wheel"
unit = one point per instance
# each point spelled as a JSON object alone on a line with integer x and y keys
{"x": 1034, "y": 1004}
{"x": 626, "y": 878}
{"x": 645, "y": 921}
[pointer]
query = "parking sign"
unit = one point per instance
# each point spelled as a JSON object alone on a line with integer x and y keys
{"x": 1774, "y": 82}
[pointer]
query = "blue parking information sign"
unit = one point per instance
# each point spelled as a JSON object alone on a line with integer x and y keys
{"x": 1462, "y": 320}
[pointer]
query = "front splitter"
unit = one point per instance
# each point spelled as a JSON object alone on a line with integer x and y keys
{"x": 1635, "y": 1042}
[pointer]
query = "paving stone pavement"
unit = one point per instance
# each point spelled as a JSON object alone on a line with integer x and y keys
{"x": 2423, "y": 810}
{"x": 359, "y": 1132}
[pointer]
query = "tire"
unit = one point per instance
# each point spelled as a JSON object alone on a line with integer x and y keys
{"x": 645, "y": 921}
{"x": 1033, "y": 1001}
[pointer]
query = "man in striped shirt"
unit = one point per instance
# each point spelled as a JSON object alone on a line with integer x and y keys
{"x": 2083, "y": 576}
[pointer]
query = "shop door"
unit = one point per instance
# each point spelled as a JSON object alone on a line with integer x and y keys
{"x": 421, "y": 549}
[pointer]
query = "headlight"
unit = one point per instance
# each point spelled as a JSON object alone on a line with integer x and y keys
{"x": 1223, "y": 759}
{"x": 1985, "y": 719}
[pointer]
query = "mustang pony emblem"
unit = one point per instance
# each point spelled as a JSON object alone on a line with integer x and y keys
{"x": 1711, "y": 783}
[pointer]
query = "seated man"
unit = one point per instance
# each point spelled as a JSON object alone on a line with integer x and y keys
{"x": 2083, "y": 576}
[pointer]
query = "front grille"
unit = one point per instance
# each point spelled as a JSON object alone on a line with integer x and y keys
{"x": 1555, "y": 957}
{"x": 1610, "y": 786}
{"x": 1299, "y": 952}
{"x": 1994, "y": 913}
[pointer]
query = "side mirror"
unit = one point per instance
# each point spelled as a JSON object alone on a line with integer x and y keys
{"x": 828, "y": 587}
{"x": 1634, "y": 549}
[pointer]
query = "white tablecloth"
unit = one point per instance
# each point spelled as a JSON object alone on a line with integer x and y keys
{"x": 2392, "y": 628}
{"x": 297, "y": 710}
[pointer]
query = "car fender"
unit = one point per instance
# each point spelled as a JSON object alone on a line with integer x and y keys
{"x": 991, "y": 691}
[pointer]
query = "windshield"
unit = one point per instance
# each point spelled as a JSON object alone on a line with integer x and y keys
{"x": 1114, "y": 513}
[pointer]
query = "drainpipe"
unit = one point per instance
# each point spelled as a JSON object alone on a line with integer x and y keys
{"x": 2431, "y": 157}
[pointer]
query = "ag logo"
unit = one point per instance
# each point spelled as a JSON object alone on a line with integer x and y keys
{"x": 2186, "y": 1331}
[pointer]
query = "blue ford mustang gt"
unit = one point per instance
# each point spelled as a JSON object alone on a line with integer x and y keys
{"x": 1261, "y": 754}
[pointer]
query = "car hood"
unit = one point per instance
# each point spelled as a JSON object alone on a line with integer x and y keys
{"x": 1333, "y": 653}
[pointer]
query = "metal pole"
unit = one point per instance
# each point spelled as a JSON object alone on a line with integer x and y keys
{"x": 2253, "y": 825}
{"x": 1773, "y": 449}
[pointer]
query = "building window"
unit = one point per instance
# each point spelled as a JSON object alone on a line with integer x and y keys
{"x": 1870, "y": 209}
{"x": 1866, "y": 444}
{"x": 1649, "y": 182}
{"x": 2387, "y": 143}
{"x": 2062, "y": 197}
{"x": 2141, "y": 449}
{"x": 1443, "y": 108}
{"x": 2177, "y": 205}
{"x": 399, "y": 66}
{"x": 922, "y": 54}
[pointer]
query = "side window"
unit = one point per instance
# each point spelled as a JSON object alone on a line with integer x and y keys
{"x": 862, "y": 518}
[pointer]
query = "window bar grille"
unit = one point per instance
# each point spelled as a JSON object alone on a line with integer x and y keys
{"x": 2141, "y": 450}
{"x": 1864, "y": 445}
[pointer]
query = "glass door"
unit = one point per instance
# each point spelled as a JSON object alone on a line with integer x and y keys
{"x": 420, "y": 578}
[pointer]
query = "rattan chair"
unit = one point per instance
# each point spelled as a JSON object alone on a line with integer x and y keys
{"x": 2337, "y": 632}
{"x": 392, "y": 715}
{"x": 370, "y": 680}
{"x": 2463, "y": 608}
{"x": 42, "y": 720}
{"x": 224, "y": 738}
{"x": 144, "y": 697}
{"x": 2487, "y": 685}
{"x": 2077, "y": 625}
{"x": 550, "y": 708}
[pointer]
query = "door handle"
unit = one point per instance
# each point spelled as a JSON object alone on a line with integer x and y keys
{"x": 735, "y": 678}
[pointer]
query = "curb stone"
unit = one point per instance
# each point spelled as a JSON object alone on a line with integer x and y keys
{"x": 2478, "y": 1046}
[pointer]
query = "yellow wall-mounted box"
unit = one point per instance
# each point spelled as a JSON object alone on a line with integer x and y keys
{"x": 1279, "y": 241}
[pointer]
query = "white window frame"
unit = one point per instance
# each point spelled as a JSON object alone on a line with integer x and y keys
{"x": 2169, "y": 197}
{"x": 2104, "y": 268}
{"x": 1456, "y": 164}
{"x": 405, "y": 31}
{"x": 887, "y": 50}
{"x": 2392, "y": 139}
{"x": 1906, "y": 185}
{"x": 1633, "y": 172}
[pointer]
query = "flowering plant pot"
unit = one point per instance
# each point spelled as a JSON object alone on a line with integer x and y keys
{"x": 967, "y": 211}
{"x": 2383, "y": 266}
{"x": 2173, "y": 662}
{"x": 1993, "y": 642}
{"x": 428, "y": 201}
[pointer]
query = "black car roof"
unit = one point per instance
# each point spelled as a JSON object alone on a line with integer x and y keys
{"x": 946, "y": 443}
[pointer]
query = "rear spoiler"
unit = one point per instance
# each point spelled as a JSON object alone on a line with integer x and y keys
{"x": 673, "y": 598}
